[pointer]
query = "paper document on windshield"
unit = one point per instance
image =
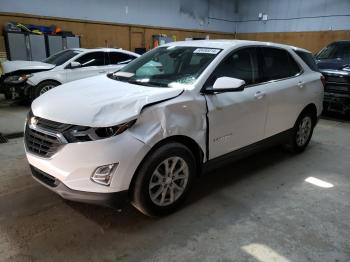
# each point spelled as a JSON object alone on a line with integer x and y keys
{"x": 213, "y": 51}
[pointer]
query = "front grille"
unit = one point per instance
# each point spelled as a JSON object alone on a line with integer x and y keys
{"x": 43, "y": 140}
{"x": 43, "y": 177}
{"x": 51, "y": 125}
{"x": 337, "y": 88}
{"x": 335, "y": 79}
{"x": 41, "y": 144}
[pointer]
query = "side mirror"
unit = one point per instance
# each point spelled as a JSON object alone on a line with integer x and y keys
{"x": 226, "y": 84}
{"x": 74, "y": 64}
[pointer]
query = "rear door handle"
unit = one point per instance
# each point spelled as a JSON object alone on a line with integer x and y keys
{"x": 301, "y": 84}
{"x": 103, "y": 72}
{"x": 259, "y": 95}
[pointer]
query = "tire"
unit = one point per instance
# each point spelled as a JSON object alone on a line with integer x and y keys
{"x": 302, "y": 132}
{"x": 43, "y": 87}
{"x": 8, "y": 96}
{"x": 347, "y": 115}
{"x": 156, "y": 194}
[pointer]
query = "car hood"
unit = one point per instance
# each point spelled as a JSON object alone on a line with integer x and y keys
{"x": 12, "y": 66}
{"x": 334, "y": 64}
{"x": 98, "y": 101}
{"x": 332, "y": 72}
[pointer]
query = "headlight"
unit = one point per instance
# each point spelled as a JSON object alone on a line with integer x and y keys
{"x": 17, "y": 79}
{"x": 83, "y": 133}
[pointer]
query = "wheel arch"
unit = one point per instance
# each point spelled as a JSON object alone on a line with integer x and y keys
{"x": 190, "y": 143}
{"x": 33, "y": 88}
{"x": 49, "y": 80}
{"x": 313, "y": 110}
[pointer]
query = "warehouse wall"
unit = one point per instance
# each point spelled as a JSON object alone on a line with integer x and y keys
{"x": 103, "y": 34}
{"x": 293, "y": 16}
{"x": 310, "y": 24}
{"x": 211, "y": 15}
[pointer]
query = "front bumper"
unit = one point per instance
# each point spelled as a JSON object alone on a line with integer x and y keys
{"x": 114, "y": 200}
{"x": 337, "y": 102}
{"x": 15, "y": 91}
{"x": 74, "y": 163}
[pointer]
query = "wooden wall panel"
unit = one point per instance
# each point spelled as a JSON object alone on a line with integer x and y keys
{"x": 92, "y": 34}
{"x": 98, "y": 34}
{"x": 313, "y": 41}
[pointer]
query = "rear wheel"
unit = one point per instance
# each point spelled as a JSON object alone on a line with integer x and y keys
{"x": 43, "y": 87}
{"x": 302, "y": 132}
{"x": 163, "y": 180}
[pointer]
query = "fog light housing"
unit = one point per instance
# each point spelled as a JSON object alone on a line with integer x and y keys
{"x": 103, "y": 174}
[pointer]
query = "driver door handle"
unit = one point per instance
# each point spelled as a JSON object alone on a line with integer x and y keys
{"x": 301, "y": 84}
{"x": 259, "y": 95}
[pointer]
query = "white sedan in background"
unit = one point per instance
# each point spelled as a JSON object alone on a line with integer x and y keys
{"x": 31, "y": 79}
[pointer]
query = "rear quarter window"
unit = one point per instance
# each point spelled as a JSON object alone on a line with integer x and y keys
{"x": 309, "y": 59}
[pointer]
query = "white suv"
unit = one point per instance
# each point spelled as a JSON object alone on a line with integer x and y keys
{"x": 148, "y": 130}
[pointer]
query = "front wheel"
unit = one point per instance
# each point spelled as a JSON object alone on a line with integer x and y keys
{"x": 301, "y": 133}
{"x": 163, "y": 180}
{"x": 43, "y": 87}
{"x": 8, "y": 96}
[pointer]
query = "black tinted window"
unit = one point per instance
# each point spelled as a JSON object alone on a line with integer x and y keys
{"x": 61, "y": 57}
{"x": 92, "y": 59}
{"x": 278, "y": 64}
{"x": 335, "y": 50}
{"x": 309, "y": 59}
{"x": 241, "y": 64}
{"x": 116, "y": 58}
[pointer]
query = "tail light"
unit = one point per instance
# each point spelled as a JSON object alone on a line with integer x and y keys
{"x": 323, "y": 80}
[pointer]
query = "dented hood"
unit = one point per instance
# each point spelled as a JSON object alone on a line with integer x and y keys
{"x": 98, "y": 101}
{"x": 12, "y": 66}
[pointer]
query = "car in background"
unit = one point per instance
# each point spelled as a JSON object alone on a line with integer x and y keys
{"x": 146, "y": 131}
{"x": 334, "y": 63}
{"x": 30, "y": 79}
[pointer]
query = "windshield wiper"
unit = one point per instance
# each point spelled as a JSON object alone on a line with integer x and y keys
{"x": 149, "y": 83}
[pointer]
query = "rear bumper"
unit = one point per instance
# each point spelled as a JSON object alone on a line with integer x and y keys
{"x": 113, "y": 200}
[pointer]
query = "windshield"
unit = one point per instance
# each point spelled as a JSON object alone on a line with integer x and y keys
{"x": 61, "y": 57}
{"x": 335, "y": 50}
{"x": 164, "y": 66}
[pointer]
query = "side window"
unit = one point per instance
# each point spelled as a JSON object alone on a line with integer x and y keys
{"x": 116, "y": 58}
{"x": 343, "y": 51}
{"x": 242, "y": 64}
{"x": 92, "y": 59}
{"x": 278, "y": 64}
{"x": 309, "y": 59}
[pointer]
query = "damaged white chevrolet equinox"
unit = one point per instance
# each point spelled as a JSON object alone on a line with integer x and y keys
{"x": 146, "y": 131}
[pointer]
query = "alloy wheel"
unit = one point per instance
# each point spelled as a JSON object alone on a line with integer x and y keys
{"x": 46, "y": 88}
{"x": 304, "y": 131}
{"x": 168, "y": 181}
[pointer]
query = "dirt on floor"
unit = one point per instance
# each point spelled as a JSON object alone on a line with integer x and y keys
{"x": 262, "y": 208}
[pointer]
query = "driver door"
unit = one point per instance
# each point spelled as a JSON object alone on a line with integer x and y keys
{"x": 236, "y": 119}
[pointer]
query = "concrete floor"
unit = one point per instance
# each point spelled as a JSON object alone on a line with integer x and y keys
{"x": 257, "y": 209}
{"x": 12, "y": 116}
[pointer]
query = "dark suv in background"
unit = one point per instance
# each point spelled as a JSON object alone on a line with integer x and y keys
{"x": 334, "y": 63}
